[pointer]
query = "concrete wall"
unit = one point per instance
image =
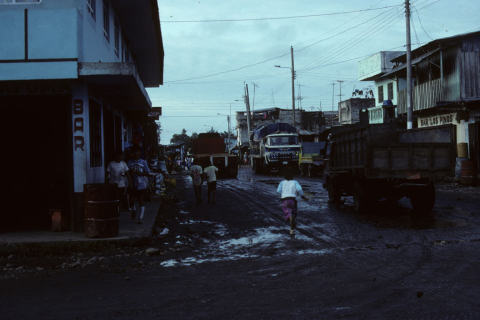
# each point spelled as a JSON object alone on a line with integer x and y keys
{"x": 349, "y": 109}
{"x": 376, "y": 65}
{"x": 60, "y": 33}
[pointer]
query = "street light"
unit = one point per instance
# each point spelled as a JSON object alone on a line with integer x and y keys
{"x": 293, "y": 87}
{"x": 228, "y": 120}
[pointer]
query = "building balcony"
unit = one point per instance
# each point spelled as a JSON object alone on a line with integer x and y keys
{"x": 425, "y": 96}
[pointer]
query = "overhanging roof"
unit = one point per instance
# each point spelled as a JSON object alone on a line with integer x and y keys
{"x": 141, "y": 25}
{"x": 119, "y": 82}
{"x": 414, "y": 61}
{"x": 435, "y": 44}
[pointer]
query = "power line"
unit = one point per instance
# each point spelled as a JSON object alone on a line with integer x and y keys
{"x": 216, "y": 74}
{"x": 277, "y": 18}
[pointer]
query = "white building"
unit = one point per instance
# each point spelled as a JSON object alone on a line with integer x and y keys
{"x": 72, "y": 92}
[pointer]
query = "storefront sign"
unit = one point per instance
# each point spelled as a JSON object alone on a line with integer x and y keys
{"x": 375, "y": 115}
{"x": 438, "y": 120}
{"x": 79, "y": 141}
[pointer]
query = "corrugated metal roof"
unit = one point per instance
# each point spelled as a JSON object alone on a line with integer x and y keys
{"x": 414, "y": 61}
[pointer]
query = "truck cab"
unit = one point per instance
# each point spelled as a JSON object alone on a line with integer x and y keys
{"x": 279, "y": 150}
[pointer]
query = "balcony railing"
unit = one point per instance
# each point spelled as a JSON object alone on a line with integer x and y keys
{"x": 425, "y": 96}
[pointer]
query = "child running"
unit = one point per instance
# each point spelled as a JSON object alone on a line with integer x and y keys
{"x": 288, "y": 190}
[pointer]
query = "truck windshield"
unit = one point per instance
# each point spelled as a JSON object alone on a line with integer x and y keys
{"x": 281, "y": 141}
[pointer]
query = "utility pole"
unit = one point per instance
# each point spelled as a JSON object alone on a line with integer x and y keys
{"x": 228, "y": 144}
{"x": 247, "y": 104}
{"x": 254, "y": 86}
{"x": 409, "y": 69}
{"x": 293, "y": 87}
{"x": 340, "y": 95}
{"x": 333, "y": 95}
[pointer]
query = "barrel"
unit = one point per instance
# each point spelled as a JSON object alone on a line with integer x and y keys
{"x": 469, "y": 172}
{"x": 101, "y": 215}
{"x": 462, "y": 150}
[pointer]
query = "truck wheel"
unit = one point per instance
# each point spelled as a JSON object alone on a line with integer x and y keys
{"x": 424, "y": 200}
{"x": 257, "y": 167}
{"x": 360, "y": 199}
{"x": 311, "y": 171}
{"x": 334, "y": 192}
{"x": 265, "y": 167}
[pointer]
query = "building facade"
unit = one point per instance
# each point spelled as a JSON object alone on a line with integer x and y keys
{"x": 72, "y": 92}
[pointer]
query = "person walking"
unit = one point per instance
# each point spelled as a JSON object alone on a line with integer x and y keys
{"x": 210, "y": 173}
{"x": 117, "y": 171}
{"x": 245, "y": 158}
{"x": 288, "y": 190}
{"x": 196, "y": 173}
{"x": 138, "y": 189}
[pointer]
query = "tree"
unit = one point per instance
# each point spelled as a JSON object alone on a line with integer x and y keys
{"x": 185, "y": 138}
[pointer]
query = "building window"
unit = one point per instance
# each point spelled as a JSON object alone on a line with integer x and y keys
{"x": 95, "y": 134}
{"x": 19, "y": 1}
{"x": 390, "y": 91}
{"x": 91, "y": 8}
{"x": 380, "y": 94}
{"x": 116, "y": 35}
{"x": 106, "y": 20}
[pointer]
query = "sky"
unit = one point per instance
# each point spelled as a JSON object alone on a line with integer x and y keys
{"x": 214, "y": 48}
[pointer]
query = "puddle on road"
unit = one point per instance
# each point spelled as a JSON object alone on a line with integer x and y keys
{"x": 242, "y": 248}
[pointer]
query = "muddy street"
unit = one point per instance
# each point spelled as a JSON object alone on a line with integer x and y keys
{"x": 236, "y": 259}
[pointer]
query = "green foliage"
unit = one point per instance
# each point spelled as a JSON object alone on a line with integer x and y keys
{"x": 185, "y": 138}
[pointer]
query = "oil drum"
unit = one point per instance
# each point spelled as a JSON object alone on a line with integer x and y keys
{"x": 101, "y": 215}
{"x": 469, "y": 172}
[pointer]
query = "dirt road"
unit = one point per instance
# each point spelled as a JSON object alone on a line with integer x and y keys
{"x": 237, "y": 260}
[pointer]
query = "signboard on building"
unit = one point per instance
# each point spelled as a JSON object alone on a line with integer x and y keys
{"x": 375, "y": 115}
{"x": 437, "y": 120}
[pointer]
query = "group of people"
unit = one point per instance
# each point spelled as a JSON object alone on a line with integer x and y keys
{"x": 199, "y": 175}
{"x": 132, "y": 181}
{"x": 288, "y": 190}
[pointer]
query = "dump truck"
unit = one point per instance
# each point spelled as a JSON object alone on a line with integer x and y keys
{"x": 374, "y": 161}
{"x": 211, "y": 148}
{"x": 274, "y": 146}
{"x": 312, "y": 158}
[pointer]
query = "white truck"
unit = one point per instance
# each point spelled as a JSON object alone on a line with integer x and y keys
{"x": 273, "y": 147}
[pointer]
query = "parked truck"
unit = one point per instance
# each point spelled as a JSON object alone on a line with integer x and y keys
{"x": 273, "y": 147}
{"x": 374, "y": 161}
{"x": 210, "y": 148}
{"x": 312, "y": 158}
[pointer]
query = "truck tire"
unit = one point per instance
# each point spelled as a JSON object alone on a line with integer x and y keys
{"x": 257, "y": 166}
{"x": 266, "y": 168}
{"x": 334, "y": 192}
{"x": 360, "y": 198}
{"x": 303, "y": 170}
{"x": 311, "y": 171}
{"x": 424, "y": 200}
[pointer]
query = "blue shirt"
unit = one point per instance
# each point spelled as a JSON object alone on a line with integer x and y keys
{"x": 139, "y": 182}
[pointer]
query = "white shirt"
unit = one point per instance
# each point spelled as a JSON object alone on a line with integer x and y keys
{"x": 210, "y": 172}
{"x": 289, "y": 189}
{"x": 117, "y": 173}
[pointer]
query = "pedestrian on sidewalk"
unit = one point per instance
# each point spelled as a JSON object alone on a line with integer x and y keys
{"x": 288, "y": 190}
{"x": 245, "y": 158}
{"x": 196, "y": 173}
{"x": 117, "y": 171}
{"x": 138, "y": 189}
{"x": 211, "y": 177}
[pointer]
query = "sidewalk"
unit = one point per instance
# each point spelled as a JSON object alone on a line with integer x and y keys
{"x": 129, "y": 233}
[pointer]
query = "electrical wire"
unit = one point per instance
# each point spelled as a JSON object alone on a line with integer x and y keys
{"x": 277, "y": 18}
